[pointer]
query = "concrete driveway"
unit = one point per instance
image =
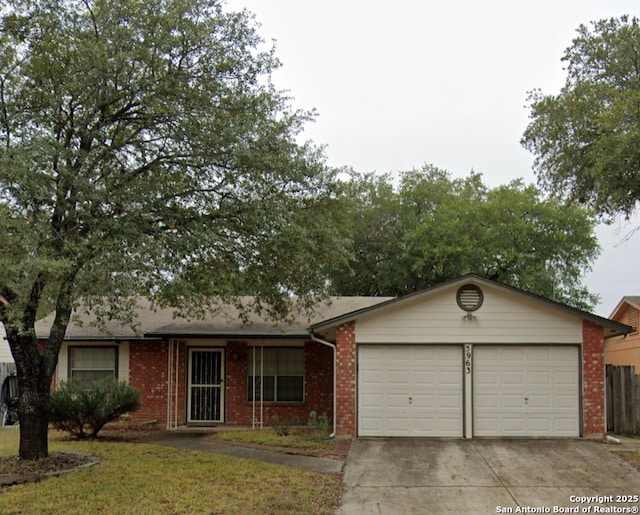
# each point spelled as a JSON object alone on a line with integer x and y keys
{"x": 389, "y": 476}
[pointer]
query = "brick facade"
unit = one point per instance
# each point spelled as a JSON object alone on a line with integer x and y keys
{"x": 148, "y": 372}
{"x": 346, "y": 379}
{"x": 593, "y": 373}
{"x": 318, "y": 388}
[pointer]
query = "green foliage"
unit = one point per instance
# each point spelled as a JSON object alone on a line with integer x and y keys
{"x": 83, "y": 409}
{"x": 318, "y": 422}
{"x": 432, "y": 228}
{"x": 586, "y": 138}
{"x": 145, "y": 151}
{"x": 282, "y": 425}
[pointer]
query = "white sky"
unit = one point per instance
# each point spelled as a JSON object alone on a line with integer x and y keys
{"x": 400, "y": 84}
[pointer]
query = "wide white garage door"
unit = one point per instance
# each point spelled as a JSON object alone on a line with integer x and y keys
{"x": 410, "y": 390}
{"x": 526, "y": 391}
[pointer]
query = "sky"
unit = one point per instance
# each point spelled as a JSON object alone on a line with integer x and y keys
{"x": 397, "y": 85}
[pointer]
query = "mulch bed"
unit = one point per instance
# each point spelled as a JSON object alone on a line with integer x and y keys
{"x": 14, "y": 471}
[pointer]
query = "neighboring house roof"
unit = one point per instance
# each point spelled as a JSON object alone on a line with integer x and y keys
{"x": 611, "y": 328}
{"x": 632, "y": 300}
{"x": 627, "y": 310}
{"x": 157, "y": 323}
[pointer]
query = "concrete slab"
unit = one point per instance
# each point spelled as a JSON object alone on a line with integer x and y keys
{"x": 410, "y": 462}
{"x": 486, "y": 476}
{"x": 424, "y": 500}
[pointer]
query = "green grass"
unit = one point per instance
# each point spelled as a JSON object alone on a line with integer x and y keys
{"x": 302, "y": 439}
{"x": 148, "y": 479}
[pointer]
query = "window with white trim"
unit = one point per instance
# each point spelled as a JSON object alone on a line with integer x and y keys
{"x": 279, "y": 374}
{"x": 93, "y": 363}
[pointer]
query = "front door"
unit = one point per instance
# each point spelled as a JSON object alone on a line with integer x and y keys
{"x": 206, "y": 380}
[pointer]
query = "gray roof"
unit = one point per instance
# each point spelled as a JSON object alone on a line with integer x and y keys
{"x": 227, "y": 322}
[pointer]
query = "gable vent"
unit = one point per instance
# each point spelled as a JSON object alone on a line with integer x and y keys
{"x": 469, "y": 297}
{"x": 632, "y": 318}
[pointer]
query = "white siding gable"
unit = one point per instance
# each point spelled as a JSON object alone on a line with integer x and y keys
{"x": 504, "y": 317}
{"x": 5, "y": 351}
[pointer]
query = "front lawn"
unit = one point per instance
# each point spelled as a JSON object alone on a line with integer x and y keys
{"x": 300, "y": 439}
{"x": 147, "y": 479}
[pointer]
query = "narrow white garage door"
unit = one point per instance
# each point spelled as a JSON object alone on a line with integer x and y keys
{"x": 526, "y": 391}
{"x": 410, "y": 390}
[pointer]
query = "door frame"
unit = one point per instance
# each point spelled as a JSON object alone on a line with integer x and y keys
{"x": 220, "y": 351}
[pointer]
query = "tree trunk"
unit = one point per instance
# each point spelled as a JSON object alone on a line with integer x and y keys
{"x": 34, "y": 382}
{"x": 33, "y": 413}
{"x": 35, "y": 364}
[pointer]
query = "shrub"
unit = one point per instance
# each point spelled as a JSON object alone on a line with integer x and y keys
{"x": 318, "y": 422}
{"x": 83, "y": 409}
{"x": 282, "y": 425}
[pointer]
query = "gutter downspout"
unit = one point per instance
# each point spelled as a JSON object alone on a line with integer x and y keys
{"x": 335, "y": 400}
{"x": 619, "y": 340}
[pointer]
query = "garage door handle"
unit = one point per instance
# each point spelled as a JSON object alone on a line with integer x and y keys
{"x": 526, "y": 400}
{"x": 410, "y": 400}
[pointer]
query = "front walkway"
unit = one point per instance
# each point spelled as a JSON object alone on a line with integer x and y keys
{"x": 198, "y": 441}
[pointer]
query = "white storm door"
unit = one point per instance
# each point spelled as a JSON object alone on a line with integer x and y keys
{"x": 206, "y": 385}
{"x": 526, "y": 391}
{"x": 410, "y": 390}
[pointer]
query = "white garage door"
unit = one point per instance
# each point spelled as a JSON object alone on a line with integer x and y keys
{"x": 410, "y": 390}
{"x": 526, "y": 391}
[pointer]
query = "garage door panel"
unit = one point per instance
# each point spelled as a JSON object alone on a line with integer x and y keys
{"x": 544, "y": 402}
{"x": 535, "y": 393}
{"x": 564, "y": 401}
{"x": 422, "y": 388}
{"x": 510, "y": 377}
{"x": 539, "y": 377}
{"x": 562, "y": 378}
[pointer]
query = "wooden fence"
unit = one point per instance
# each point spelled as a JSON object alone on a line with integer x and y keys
{"x": 623, "y": 400}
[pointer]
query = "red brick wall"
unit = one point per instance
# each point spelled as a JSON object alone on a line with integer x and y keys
{"x": 318, "y": 387}
{"x": 236, "y": 384}
{"x": 346, "y": 379}
{"x": 593, "y": 370}
{"x": 148, "y": 373}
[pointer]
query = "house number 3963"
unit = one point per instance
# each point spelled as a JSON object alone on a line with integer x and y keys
{"x": 467, "y": 358}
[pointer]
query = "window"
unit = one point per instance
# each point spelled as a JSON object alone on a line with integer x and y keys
{"x": 282, "y": 375}
{"x": 93, "y": 363}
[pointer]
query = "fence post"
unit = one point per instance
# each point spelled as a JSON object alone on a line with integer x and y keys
{"x": 611, "y": 427}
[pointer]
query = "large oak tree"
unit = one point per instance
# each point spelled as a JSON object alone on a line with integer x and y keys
{"x": 428, "y": 228}
{"x": 586, "y": 139}
{"x": 144, "y": 150}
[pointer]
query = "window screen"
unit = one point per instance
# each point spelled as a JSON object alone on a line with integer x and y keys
{"x": 93, "y": 363}
{"x": 279, "y": 375}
